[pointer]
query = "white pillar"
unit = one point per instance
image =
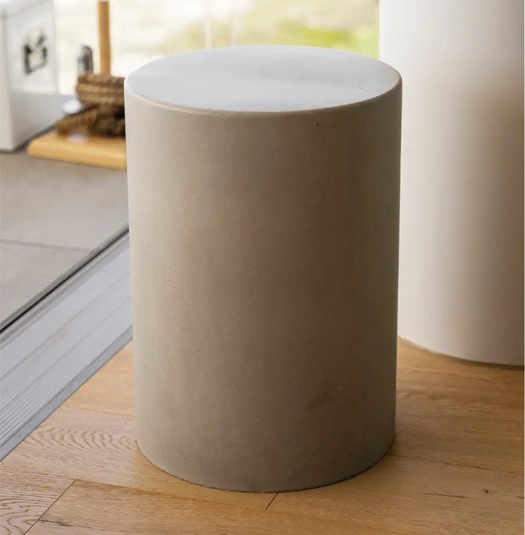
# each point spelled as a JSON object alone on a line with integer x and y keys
{"x": 264, "y": 204}
{"x": 461, "y": 241}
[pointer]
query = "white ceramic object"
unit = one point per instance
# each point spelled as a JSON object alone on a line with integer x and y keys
{"x": 29, "y": 98}
{"x": 461, "y": 240}
{"x": 264, "y": 203}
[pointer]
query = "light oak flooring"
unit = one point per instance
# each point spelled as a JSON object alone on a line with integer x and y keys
{"x": 456, "y": 467}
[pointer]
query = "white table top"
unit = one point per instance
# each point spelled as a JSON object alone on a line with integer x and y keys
{"x": 262, "y": 79}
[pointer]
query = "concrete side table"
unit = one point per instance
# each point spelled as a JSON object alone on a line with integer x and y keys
{"x": 264, "y": 207}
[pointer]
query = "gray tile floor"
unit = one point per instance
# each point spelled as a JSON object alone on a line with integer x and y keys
{"x": 52, "y": 216}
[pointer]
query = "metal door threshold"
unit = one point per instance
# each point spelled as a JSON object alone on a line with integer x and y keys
{"x": 59, "y": 343}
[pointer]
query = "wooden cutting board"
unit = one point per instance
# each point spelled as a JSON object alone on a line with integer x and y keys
{"x": 80, "y": 148}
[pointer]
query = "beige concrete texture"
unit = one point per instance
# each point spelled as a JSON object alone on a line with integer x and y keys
{"x": 264, "y": 212}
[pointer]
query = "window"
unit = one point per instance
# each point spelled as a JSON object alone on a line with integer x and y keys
{"x": 143, "y": 31}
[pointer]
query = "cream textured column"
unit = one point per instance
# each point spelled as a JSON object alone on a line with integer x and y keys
{"x": 461, "y": 247}
{"x": 263, "y": 197}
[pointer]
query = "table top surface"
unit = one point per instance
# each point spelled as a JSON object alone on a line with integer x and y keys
{"x": 263, "y": 79}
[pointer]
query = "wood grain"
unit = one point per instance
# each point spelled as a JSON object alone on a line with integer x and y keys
{"x": 442, "y": 377}
{"x": 101, "y": 447}
{"x": 425, "y": 441}
{"x": 101, "y": 509}
{"x": 111, "y": 389}
{"x": 454, "y": 469}
{"x": 79, "y": 148}
{"x": 24, "y": 498}
{"x": 458, "y": 412}
{"x": 443, "y": 412}
{"x": 418, "y": 497}
{"x": 104, "y": 36}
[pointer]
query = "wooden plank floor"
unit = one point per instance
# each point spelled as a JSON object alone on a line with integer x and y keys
{"x": 456, "y": 467}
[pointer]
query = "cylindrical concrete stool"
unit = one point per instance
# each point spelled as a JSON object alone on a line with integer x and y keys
{"x": 264, "y": 205}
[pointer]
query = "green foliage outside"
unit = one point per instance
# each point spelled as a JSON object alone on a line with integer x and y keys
{"x": 288, "y": 22}
{"x": 362, "y": 40}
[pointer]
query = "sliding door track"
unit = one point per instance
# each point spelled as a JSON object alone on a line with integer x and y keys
{"x": 47, "y": 353}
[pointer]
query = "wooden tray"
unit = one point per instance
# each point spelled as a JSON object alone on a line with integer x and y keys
{"x": 80, "y": 148}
